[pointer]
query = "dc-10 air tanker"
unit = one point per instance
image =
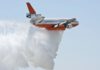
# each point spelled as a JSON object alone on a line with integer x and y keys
{"x": 49, "y": 24}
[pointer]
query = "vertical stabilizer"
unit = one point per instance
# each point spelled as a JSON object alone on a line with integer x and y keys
{"x": 30, "y": 8}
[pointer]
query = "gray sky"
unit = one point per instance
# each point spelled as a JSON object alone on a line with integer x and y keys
{"x": 80, "y": 46}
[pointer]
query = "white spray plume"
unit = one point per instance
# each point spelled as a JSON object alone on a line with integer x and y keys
{"x": 23, "y": 45}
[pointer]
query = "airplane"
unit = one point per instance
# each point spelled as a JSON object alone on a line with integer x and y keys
{"x": 49, "y": 24}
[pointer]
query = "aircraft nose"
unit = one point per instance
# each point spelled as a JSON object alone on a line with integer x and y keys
{"x": 74, "y": 24}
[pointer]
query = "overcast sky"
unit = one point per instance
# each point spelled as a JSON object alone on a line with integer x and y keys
{"x": 80, "y": 46}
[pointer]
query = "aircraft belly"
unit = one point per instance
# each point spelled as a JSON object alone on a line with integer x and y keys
{"x": 50, "y": 26}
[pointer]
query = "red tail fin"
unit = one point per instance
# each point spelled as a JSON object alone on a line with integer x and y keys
{"x": 30, "y": 8}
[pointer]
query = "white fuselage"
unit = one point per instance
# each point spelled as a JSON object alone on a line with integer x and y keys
{"x": 39, "y": 19}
